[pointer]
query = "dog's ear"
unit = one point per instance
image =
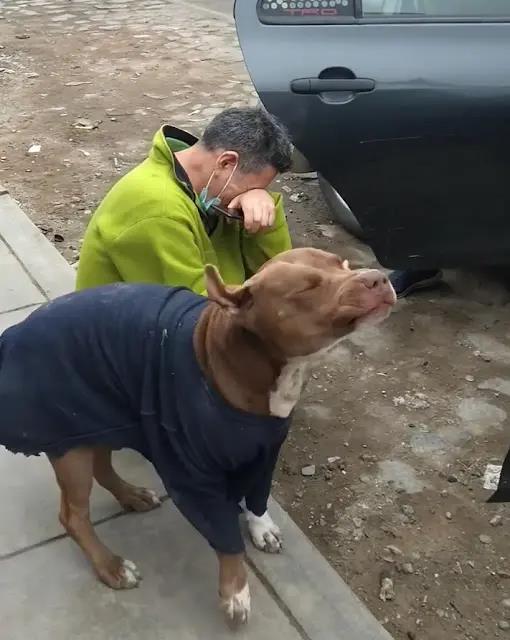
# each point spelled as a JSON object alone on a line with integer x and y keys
{"x": 230, "y": 298}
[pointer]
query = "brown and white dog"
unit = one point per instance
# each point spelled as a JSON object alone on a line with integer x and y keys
{"x": 256, "y": 345}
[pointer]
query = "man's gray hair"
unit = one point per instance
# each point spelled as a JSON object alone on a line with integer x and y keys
{"x": 259, "y": 138}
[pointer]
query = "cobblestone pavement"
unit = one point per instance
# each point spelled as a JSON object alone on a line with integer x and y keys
{"x": 122, "y": 66}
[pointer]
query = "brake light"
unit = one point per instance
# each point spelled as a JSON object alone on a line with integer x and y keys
{"x": 305, "y": 11}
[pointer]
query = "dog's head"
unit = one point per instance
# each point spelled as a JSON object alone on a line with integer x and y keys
{"x": 305, "y": 300}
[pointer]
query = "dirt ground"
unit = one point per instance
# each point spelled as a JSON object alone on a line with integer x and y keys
{"x": 411, "y": 414}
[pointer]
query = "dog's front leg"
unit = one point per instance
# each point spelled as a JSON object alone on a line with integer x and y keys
{"x": 265, "y": 534}
{"x": 234, "y": 588}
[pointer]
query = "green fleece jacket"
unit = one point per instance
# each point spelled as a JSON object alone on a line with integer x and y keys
{"x": 149, "y": 229}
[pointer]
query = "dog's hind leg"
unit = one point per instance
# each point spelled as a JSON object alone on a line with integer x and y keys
{"x": 75, "y": 473}
{"x": 130, "y": 497}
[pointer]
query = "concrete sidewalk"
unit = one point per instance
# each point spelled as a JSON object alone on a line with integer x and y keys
{"x": 48, "y": 592}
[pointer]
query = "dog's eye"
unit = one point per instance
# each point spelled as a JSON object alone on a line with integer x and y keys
{"x": 310, "y": 283}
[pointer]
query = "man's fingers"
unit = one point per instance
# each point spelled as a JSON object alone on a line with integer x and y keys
{"x": 269, "y": 218}
{"x": 252, "y": 220}
{"x": 235, "y": 203}
{"x": 272, "y": 217}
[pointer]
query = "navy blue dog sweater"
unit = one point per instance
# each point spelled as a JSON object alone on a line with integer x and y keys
{"x": 115, "y": 366}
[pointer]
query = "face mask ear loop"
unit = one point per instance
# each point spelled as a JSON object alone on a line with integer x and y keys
{"x": 228, "y": 181}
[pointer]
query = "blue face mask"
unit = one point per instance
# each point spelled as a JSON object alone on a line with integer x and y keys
{"x": 204, "y": 201}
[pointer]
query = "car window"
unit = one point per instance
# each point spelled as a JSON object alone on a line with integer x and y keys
{"x": 436, "y": 8}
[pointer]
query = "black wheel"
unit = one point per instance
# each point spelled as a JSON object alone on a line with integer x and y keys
{"x": 339, "y": 208}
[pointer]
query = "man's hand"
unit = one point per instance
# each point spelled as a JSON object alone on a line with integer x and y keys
{"x": 258, "y": 209}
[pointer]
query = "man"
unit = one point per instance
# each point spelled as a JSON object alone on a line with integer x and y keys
{"x": 165, "y": 220}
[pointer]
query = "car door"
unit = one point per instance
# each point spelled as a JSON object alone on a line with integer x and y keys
{"x": 404, "y": 107}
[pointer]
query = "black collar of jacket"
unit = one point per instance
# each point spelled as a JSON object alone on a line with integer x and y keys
{"x": 210, "y": 222}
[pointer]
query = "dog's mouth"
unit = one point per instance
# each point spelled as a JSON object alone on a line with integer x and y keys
{"x": 375, "y": 316}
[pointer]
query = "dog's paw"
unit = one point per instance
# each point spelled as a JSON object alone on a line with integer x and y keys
{"x": 130, "y": 575}
{"x": 119, "y": 574}
{"x": 237, "y": 608}
{"x": 138, "y": 499}
{"x": 265, "y": 535}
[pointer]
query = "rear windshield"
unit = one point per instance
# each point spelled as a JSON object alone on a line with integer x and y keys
{"x": 437, "y": 8}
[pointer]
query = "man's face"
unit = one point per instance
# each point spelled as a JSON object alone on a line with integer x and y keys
{"x": 240, "y": 182}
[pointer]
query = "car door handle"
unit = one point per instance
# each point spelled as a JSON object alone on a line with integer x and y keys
{"x": 324, "y": 85}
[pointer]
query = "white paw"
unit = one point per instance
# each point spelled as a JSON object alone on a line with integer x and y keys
{"x": 154, "y": 497}
{"x": 237, "y": 608}
{"x": 131, "y": 577}
{"x": 265, "y": 535}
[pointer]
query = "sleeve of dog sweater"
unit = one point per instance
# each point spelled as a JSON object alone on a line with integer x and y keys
{"x": 257, "y": 498}
{"x": 213, "y": 514}
{"x": 260, "y": 247}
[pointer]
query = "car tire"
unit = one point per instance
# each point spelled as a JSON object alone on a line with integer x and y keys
{"x": 339, "y": 209}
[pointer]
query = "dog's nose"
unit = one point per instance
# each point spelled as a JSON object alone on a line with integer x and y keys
{"x": 378, "y": 284}
{"x": 373, "y": 279}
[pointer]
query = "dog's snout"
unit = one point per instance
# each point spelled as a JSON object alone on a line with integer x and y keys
{"x": 377, "y": 285}
{"x": 373, "y": 279}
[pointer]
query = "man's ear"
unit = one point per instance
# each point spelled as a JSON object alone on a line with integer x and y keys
{"x": 228, "y": 159}
{"x": 231, "y": 299}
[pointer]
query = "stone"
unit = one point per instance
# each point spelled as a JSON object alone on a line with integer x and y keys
{"x": 452, "y": 478}
{"x": 357, "y": 535}
{"x": 367, "y": 457}
{"x": 394, "y": 550}
{"x": 387, "y": 590}
{"x": 85, "y": 124}
{"x": 506, "y": 603}
{"x": 412, "y": 401}
{"x": 308, "y": 471}
{"x": 448, "y": 515}
{"x": 407, "y": 510}
{"x": 407, "y": 568}
{"x": 504, "y": 625}
{"x": 77, "y": 83}
{"x": 300, "y": 196}
{"x": 496, "y": 521}
{"x": 485, "y": 539}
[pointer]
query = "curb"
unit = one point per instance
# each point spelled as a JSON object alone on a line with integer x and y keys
{"x": 310, "y": 590}
{"x": 49, "y": 271}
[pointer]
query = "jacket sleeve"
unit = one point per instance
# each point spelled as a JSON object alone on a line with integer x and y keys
{"x": 257, "y": 498}
{"x": 260, "y": 247}
{"x": 160, "y": 251}
{"x": 209, "y": 509}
